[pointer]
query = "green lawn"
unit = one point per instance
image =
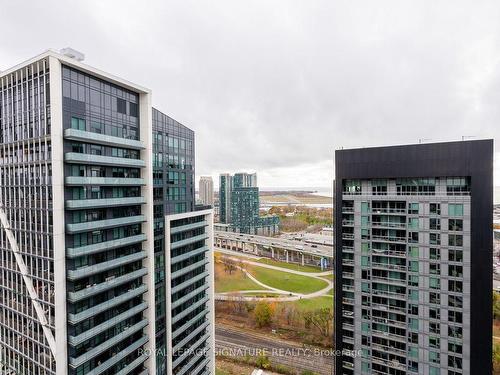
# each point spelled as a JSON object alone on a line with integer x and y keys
{"x": 290, "y": 266}
{"x": 237, "y": 281}
{"x": 328, "y": 277}
{"x": 221, "y": 372}
{"x": 287, "y": 281}
{"x": 306, "y": 304}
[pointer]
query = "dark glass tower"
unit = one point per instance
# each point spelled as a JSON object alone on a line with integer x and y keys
{"x": 414, "y": 259}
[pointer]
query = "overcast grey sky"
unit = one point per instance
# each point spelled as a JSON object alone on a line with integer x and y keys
{"x": 276, "y": 86}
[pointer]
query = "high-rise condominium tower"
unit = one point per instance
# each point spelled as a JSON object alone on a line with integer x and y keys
{"x": 206, "y": 190}
{"x": 239, "y": 206}
{"x": 92, "y": 279}
{"x": 414, "y": 259}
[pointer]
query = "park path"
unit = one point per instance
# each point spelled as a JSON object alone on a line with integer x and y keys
{"x": 291, "y": 296}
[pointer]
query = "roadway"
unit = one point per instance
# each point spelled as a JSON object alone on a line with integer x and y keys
{"x": 229, "y": 340}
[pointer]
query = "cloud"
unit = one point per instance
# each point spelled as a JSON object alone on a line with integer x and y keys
{"x": 276, "y": 87}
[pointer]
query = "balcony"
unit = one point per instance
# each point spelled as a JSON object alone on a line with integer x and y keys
{"x": 103, "y": 224}
{"x": 102, "y": 139}
{"x": 187, "y": 241}
{"x": 189, "y": 323}
{"x": 88, "y": 334}
{"x": 134, "y": 364}
{"x": 79, "y": 204}
{"x": 189, "y": 282}
{"x": 193, "y": 360}
{"x": 184, "y": 228}
{"x": 104, "y": 266}
{"x": 92, "y": 290}
{"x": 73, "y": 252}
{"x": 388, "y": 280}
{"x": 75, "y": 362}
{"x": 104, "y": 181}
{"x": 384, "y": 224}
{"x": 398, "y": 211}
{"x": 94, "y": 310}
{"x": 185, "y": 312}
{"x": 387, "y": 266}
{"x": 189, "y": 337}
{"x": 347, "y": 236}
{"x": 379, "y": 238}
{"x": 111, "y": 161}
{"x": 189, "y": 268}
{"x": 189, "y": 296}
{"x": 389, "y": 322}
{"x": 180, "y": 258}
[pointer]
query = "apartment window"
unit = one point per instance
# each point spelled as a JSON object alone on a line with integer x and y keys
{"x": 455, "y": 209}
{"x": 379, "y": 187}
{"x": 413, "y": 338}
{"x": 455, "y": 225}
{"x": 365, "y": 207}
{"x": 435, "y": 328}
{"x": 455, "y": 301}
{"x": 455, "y": 348}
{"x": 352, "y": 187}
{"x": 434, "y": 238}
{"x": 413, "y": 266}
{"x": 434, "y": 370}
{"x": 412, "y": 309}
{"x": 365, "y": 287}
{"x": 457, "y": 186}
{"x": 121, "y": 106}
{"x": 77, "y": 147}
{"x": 434, "y": 283}
{"x": 455, "y": 286}
{"x": 413, "y": 237}
{"x": 435, "y": 269}
{"x": 96, "y": 127}
{"x": 413, "y": 352}
{"x": 434, "y": 224}
{"x": 455, "y": 255}
{"x": 454, "y": 316}
{"x": 456, "y": 240}
{"x": 365, "y": 221}
{"x": 435, "y": 209}
{"x": 413, "y": 223}
{"x": 413, "y": 209}
{"x": 413, "y": 324}
{"x": 434, "y": 253}
{"x": 365, "y": 261}
{"x": 455, "y": 362}
{"x": 434, "y": 358}
{"x": 134, "y": 110}
{"x": 455, "y": 271}
{"x": 434, "y": 313}
{"x": 414, "y": 252}
{"x": 413, "y": 280}
{"x": 455, "y": 332}
{"x": 413, "y": 295}
{"x": 77, "y": 123}
{"x": 434, "y": 342}
{"x": 434, "y": 298}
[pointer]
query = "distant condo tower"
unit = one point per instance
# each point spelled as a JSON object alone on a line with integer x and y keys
{"x": 414, "y": 259}
{"x": 206, "y": 190}
{"x": 105, "y": 262}
{"x": 239, "y": 206}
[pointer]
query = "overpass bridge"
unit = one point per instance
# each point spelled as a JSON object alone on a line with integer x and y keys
{"x": 286, "y": 250}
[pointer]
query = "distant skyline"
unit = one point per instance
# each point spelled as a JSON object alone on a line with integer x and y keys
{"x": 276, "y": 87}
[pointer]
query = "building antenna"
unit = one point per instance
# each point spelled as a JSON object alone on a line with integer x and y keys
{"x": 422, "y": 140}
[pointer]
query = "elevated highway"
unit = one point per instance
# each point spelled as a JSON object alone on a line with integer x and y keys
{"x": 286, "y": 250}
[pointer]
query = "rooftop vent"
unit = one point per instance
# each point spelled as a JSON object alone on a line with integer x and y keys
{"x": 72, "y": 53}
